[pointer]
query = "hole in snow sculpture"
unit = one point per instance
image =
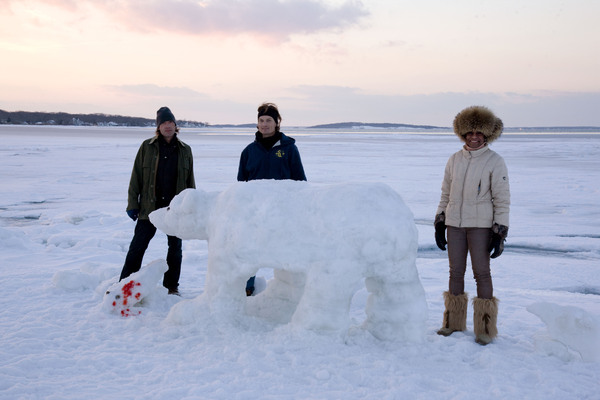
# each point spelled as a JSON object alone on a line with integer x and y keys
{"x": 322, "y": 243}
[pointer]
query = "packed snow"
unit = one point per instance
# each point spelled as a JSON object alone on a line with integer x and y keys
{"x": 64, "y": 235}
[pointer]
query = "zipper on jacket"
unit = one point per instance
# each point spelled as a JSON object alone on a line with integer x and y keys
{"x": 463, "y": 188}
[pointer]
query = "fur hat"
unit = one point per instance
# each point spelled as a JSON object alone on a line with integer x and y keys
{"x": 480, "y": 119}
{"x": 163, "y": 115}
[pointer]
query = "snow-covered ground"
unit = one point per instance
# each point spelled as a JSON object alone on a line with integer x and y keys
{"x": 64, "y": 234}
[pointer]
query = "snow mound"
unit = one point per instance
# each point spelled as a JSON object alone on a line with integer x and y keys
{"x": 86, "y": 277}
{"x": 572, "y": 331}
{"x": 13, "y": 239}
{"x": 125, "y": 297}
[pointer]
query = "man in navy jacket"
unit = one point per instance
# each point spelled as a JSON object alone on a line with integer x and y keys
{"x": 272, "y": 155}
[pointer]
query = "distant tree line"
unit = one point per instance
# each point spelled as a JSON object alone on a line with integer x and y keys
{"x": 62, "y": 118}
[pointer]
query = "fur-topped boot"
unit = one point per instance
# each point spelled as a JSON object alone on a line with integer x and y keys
{"x": 485, "y": 315}
{"x": 455, "y": 316}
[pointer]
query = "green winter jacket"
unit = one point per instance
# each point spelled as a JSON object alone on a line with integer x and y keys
{"x": 142, "y": 190}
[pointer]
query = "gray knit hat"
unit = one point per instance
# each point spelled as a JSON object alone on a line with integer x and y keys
{"x": 480, "y": 119}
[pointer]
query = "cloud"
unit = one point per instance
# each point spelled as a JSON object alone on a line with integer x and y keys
{"x": 275, "y": 19}
{"x": 151, "y": 90}
{"x": 329, "y": 104}
{"x": 306, "y": 105}
{"x": 309, "y": 105}
{"x": 395, "y": 43}
{"x": 186, "y": 103}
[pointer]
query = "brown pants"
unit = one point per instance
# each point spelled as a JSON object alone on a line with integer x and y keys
{"x": 474, "y": 241}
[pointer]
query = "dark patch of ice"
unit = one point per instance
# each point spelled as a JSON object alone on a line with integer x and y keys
{"x": 580, "y": 289}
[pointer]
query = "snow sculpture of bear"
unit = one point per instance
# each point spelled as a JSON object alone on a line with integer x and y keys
{"x": 321, "y": 242}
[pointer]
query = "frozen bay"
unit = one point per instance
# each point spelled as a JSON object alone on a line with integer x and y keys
{"x": 64, "y": 234}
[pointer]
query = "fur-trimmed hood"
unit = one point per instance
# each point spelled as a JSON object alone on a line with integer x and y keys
{"x": 478, "y": 118}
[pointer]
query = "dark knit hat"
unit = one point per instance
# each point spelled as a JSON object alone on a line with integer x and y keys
{"x": 480, "y": 119}
{"x": 163, "y": 115}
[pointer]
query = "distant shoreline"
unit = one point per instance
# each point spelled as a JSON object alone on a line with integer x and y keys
{"x": 26, "y": 118}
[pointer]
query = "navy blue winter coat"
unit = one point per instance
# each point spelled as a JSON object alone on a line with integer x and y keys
{"x": 282, "y": 161}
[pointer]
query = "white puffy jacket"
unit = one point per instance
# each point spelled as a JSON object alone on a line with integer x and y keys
{"x": 475, "y": 190}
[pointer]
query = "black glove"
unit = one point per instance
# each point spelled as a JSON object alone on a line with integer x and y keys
{"x": 499, "y": 233}
{"x": 440, "y": 231}
{"x": 133, "y": 214}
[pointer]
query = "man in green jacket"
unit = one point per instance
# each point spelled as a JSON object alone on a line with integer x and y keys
{"x": 163, "y": 168}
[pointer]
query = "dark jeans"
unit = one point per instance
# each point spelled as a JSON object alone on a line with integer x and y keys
{"x": 144, "y": 232}
{"x": 474, "y": 241}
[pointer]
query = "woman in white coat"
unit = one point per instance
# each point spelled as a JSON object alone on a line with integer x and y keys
{"x": 474, "y": 209}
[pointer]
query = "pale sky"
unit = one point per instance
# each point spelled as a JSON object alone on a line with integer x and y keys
{"x": 533, "y": 62}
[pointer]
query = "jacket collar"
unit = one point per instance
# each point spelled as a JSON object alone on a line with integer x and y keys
{"x": 155, "y": 139}
{"x": 475, "y": 153}
{"x": 283, "y": 140}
